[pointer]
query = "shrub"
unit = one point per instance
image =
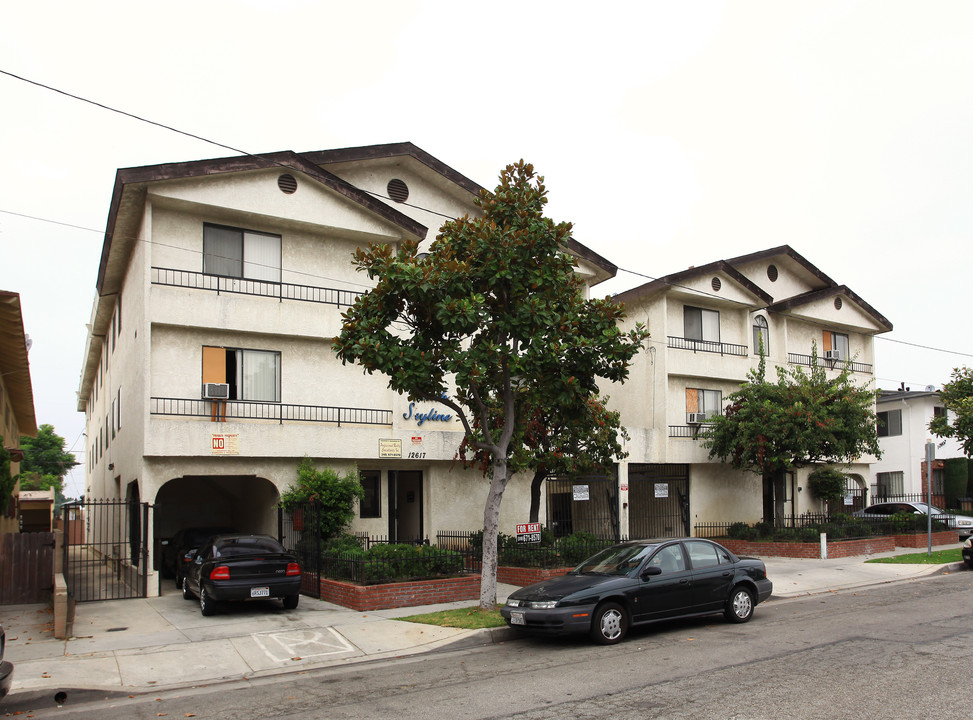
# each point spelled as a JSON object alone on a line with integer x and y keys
{"x": 334, "y": 496}
{"x": 577, "y": 547}
{"x": 827, "y": 484}
{"x": 763, "y": 530}
{"x": 739, "y": 531}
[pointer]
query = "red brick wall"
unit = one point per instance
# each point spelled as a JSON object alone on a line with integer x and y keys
{"x": 836, "y": 549}
{"x": 947, "y": 537}
{"x": 527, "y": 576}
{"x": 405, "y": 594}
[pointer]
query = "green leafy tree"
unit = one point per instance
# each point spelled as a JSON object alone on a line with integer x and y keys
{"x": 335, "y": 496}
{"x": 496, "y": 310}
{"x": 45, "y": 454}
{"x": 803, "y": 419}
{"x": 957, "y": 396}
{"x": 587, "y": 440}
{"x": 7, "y": 480}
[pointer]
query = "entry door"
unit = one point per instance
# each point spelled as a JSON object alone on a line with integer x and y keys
{"x": 405, "y": 506}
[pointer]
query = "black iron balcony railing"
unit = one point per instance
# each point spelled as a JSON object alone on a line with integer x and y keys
{"x": 708, "y": 346}
{"x": 688, "y": 431}
{"x": 808, "y": 360}
{"x": 223, "y": 410}
{"x": 242, "y": 286}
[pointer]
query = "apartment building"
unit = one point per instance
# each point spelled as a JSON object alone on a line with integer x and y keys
{"x": 209, "y": 373}
{"x": 708, "y": 325}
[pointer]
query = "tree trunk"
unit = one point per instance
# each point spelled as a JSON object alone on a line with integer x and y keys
{"x": 540, "y": 475}
{"x": 491, "y": 528}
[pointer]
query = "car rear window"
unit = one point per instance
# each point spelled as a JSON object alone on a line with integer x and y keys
{"x": 247, "y": 546}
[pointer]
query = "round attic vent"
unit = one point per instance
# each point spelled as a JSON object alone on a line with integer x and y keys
{"x": 716, "y": 284}
{"x": 287, "y": 183}
{"x": 837, "y": 303}
{"x": 772, "y": 273}
{"x": 398, "y": 190}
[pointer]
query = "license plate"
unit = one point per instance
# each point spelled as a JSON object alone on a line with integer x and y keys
{"x": 517, "y": 617}
{"x": 260, "y": 592}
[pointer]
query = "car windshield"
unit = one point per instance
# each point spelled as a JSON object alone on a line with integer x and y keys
{"x": 617, "y": 560}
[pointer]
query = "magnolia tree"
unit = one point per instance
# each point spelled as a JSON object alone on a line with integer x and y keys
{"x": 493, "y": 323}
{"x": 803, "y": 419}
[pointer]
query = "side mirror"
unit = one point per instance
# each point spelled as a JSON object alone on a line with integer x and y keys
{"x": 650, "y": 571}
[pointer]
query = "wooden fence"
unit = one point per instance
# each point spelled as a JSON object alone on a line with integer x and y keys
{"x": 26, "y": 568}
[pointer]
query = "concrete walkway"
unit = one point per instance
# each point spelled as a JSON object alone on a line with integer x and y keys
{"x": 137, "y": 646}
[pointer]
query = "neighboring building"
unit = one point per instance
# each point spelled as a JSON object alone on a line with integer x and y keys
{"x": 209, "y": 373}
{"x": 36, "y": 510}
{"x": 16, "y": 397}
{"x": 903, "y": 430}
{"x": 707, "y": 324}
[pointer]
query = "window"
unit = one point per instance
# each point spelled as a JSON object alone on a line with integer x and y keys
{"x": 938, "y": 411}
{"x": 251, "y": 374}
{"x": 702, "y": 554}
{"x": 889, "y": 423}
{"x": 889, "y": 483}
{"x": 707, "y": 402}
{"x": 241, "y": 253}
{"x": 837, "y": 341}
{"x": 669, "y": 558}
{"x": 701, "y": 324}
{"x": 938, "y": 481}
{"x": 761, "y": 336}
{"x": 371, "y": 502}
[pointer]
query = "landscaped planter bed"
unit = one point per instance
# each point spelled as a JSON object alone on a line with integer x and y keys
{"x": 401, "y": 594}
{"x": 837, "y": 548}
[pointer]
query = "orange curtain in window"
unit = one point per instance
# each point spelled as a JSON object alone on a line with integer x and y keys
{"x": 214, "y": 371}
{"x": 692, "y": 400}
{"x": 826, "y": 341}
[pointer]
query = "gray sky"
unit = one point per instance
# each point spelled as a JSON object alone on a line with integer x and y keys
{"x": 671, "y": 134}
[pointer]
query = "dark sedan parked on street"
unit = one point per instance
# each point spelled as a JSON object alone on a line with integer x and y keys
{"x": 241, "y": 567}
{"x": 641, "y": 582}
{"x": 6, "y": 668}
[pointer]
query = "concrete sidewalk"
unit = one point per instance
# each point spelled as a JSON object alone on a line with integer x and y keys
{"x": 137, "y": 646}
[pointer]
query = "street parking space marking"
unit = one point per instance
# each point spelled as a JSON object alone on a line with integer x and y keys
{"x": 302, "y": 644}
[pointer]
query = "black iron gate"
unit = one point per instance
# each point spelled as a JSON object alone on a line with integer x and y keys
{"x": 299, "y": 531}
{"x": 106, "y": 558}
{"x": 658, "y": 500}
{"x": 584, "y": 503}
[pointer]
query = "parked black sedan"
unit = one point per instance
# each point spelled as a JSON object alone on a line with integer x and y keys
{"x": 641, "y": 582}
{"x": 6, "y": 668}
{"x": 175, "y": 548}
{"x": 241, "y": 567}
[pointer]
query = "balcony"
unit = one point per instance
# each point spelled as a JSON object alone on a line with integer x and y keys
{"x": 808, "y": 361}
{"x": 708, "y": 346}
{"x": 262, "y": 288}
{"x": 223, "y": 410}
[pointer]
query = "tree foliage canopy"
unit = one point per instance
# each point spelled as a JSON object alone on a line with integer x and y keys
{"x": 45, "y": 454}
{"x": 804, "y": 418}
{"x": 957, "y": 396}
{"x": 491, "y": 322}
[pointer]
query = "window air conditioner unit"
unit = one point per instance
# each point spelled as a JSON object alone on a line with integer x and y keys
{"x": 832, "y": 354}
{"x": 216, "y": 391}
{"x": 695, "y": 418}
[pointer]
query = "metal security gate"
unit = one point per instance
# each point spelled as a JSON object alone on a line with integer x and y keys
{"x": 583, "y": 504}
{"x": 658, "y": 500}
{"x": 299, "y": 531}
{"x": 106, "y": 549}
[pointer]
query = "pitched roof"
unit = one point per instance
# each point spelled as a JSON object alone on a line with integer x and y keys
{"x": 15, "y": 367}
{"x": 679, "y": 278}
{"x": 783, "y": 251}
{"x": 836, "y": 291}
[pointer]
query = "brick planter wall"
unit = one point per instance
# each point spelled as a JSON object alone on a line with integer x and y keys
{"x": 404, "y": 594}
{"x": 946, "y": 537}
{"x": 836, "y": 549}
{"x": 527, "y": 576}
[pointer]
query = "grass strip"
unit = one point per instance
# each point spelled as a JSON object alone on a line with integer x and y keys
{"x": 470, "y": 618}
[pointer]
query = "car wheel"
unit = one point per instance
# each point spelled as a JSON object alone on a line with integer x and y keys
{"x": 739, "y": 608}
{"x": 290, "y": 601}
{"x": 206, "y": 606}
{"x": 178, "y": 581}
{"x": 969, "y": 563}
{"x": 186, "y": 593}
{"x": 609, "y": 624}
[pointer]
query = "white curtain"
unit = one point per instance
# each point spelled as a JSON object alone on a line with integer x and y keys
{"x": 261, "y": 257}
{"x": 260, "y": 375}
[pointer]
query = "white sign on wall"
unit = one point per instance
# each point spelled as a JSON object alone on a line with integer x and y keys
{"x": 226, "y": 444}
{"x": 580, "y": 492}
{"x": 662, "y": 490}
{"x": 389, "y": 448}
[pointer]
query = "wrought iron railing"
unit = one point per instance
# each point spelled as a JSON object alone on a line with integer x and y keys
{"x": 222, "y": 410}
{"x": 708, "y": 346}
{"x": 243, "y": 286}
{"x": 808, "y": 361}
{"x": 688, "y": 431}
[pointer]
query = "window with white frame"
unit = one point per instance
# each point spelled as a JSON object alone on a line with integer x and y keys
{"x": 701, "y": 324}
{"x": 702, "y": 404}
{"x": 889, "y": 423}
{"x": 837, "y": 345}
{"x": 232, "y": 252}
{"x": 761, "y": 336}
{"x": 888, "y": 484}
{"x": 249, "y": 374}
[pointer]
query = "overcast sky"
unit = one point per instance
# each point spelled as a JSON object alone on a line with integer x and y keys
{"x": 672, "y": 134}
